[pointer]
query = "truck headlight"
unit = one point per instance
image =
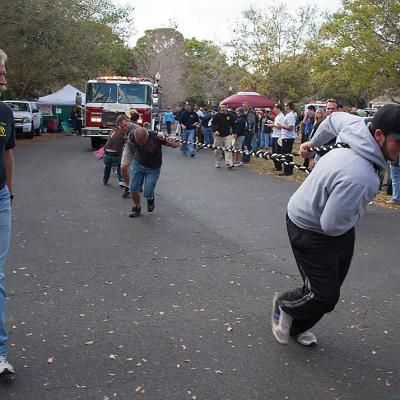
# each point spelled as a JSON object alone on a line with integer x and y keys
{"x": 26, "y": 120}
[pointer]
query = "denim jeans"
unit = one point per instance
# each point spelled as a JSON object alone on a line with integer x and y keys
{"x": 261, "y": 140}
{"x": 188, "y": 135}
{"x": 395, "y": 173}
{"x": 266, "y": 139}
{"x": 5, "y": 231}
{"x": 109, "y": 162}
{"x": 208, "y": 136}
{"x": 254, "y": 141}
{"x": 141, "y": 174}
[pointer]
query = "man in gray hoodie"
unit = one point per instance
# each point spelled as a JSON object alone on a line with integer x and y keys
{"x": 322, "y": 213}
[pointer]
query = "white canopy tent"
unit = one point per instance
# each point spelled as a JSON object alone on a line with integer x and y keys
{"x": 63, "y": 97}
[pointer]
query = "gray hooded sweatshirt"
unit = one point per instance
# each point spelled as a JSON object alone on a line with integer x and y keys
{"x": 334, "y": 196}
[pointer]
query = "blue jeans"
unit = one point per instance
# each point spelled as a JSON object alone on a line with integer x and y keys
{"x": 261, "y": 140}
{"x": 5, "y": 232}
{"x": 109, "y": 162}
{"x": 208, "y": 136}
{"x": 141, "y": 174}
{"x": 188, "y": 135}
{"x": 395, "y": 174}
{"x": 254, "y": 141}
{"x": 266, "y": 139}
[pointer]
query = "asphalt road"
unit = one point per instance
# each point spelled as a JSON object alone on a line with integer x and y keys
{"x": 176, "y": 304}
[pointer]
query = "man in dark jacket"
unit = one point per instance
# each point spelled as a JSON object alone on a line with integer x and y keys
{"x": 222, "y": 124}
{"x": 189, "y": 122}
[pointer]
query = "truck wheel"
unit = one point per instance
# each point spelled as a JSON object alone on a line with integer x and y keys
{"x": 29, "y": 135}
{"x": 38, "y": 131}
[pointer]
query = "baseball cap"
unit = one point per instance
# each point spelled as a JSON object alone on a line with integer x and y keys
{"x": 387, "y": 118}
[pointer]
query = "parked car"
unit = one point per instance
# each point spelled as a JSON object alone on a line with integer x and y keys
{"x": 27, "y": 117}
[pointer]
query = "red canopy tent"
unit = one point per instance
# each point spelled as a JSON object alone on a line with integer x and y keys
{"x": 254, "y": 99}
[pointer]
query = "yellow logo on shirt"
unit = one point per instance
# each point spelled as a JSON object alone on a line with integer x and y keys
{"x": 2, "y": 129}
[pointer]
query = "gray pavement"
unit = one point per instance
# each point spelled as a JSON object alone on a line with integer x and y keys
{"x": 176, "y": 304}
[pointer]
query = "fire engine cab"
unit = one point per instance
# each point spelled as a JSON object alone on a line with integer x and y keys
{"x": 110, "y": 96}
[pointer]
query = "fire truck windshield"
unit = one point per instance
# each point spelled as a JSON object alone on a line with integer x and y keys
{"x": 101, "y": 93}
{"x": 135, "y": 94}
{"x": 129, "y": 93}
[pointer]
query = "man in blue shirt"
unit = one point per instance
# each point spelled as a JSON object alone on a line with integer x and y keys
{"x": 168, "y": 120}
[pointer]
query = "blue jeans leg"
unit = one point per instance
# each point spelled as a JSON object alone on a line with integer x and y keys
{"x": 395, "y": 173}
{"x": 190, "y": 133}
{"x": 206, "y": 135}
{"x": 184, "y": 147}
{"x": 109, "y": 162}
{"x": 261, "y": 142}
{"x": 266, "y": 139}
{"x": 5, "y": 231}
{"x": 254, "y": 144}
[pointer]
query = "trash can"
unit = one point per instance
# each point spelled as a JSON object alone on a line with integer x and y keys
{"x": 52, "y": 125}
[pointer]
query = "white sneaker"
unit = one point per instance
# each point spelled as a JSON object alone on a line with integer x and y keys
{"x": 217, "y": 166}
{"x": 122, "y": 184}
{"x": 307, "y": 338}
{"x": 5, "y": 367}
{"x": 280, "y": 323}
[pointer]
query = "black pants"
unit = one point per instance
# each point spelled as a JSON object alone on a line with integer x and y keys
{"x": 278, "y": 150}
{"x": 323, "y": 262}
{"x": 168, "y": 125}
{"x": 287, "y": 146}
{"x": 247, "y": 145}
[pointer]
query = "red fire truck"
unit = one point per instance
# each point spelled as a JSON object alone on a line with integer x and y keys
{"x": 110, "y": 96}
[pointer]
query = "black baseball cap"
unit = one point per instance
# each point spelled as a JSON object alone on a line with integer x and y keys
{"x": 387, "y": 118}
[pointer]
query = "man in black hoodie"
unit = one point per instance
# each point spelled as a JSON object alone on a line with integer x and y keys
{"x": 222, "y": 124}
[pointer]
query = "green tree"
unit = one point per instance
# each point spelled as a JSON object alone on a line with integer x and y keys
{"x": 272, "y": 43}
{"x": 163, "y": 50}
{"x": 208, "y": 75}
{"x": 50, "y": 44}
{"x": 360, "y": 52}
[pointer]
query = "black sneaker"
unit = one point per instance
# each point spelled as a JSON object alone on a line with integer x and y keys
{"x": 126, "y": 193}
{"x": 135, "y": 212}
{"x": 150, "y": 204}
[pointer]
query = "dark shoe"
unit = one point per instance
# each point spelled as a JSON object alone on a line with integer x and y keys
{"x": 150, "y": 204}
{"x": 135, "y": 212}
{"x": 192, "y": 155}
{"x": 126, "y": 193}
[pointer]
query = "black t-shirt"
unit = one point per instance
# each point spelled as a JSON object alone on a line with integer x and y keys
{"x": 7, "y": 138}
{"x": 150, "y": 154}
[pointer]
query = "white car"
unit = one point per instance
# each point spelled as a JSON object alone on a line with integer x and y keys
{"x": 27, "y": 117}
